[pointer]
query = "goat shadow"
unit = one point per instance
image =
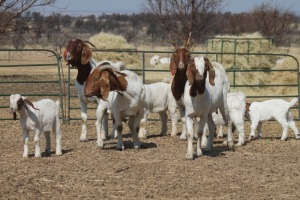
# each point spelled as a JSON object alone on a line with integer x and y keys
{"x": 43, "y": 154}
{"x": 129, "y": 145}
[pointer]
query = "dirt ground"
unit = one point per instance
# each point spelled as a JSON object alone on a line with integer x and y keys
{"x": 262, "y": 169}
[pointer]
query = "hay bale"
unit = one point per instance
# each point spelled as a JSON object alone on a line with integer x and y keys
{"x": 254, "y": 43}
{"x": 107, "y": 41}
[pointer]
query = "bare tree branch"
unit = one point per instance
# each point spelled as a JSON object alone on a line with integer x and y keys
{"x": 11, "y": 10}
{"x": 182, "y": 19}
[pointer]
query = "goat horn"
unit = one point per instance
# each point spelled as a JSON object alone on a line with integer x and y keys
{"x": 86, "y": 41}
{"x": 105, "y": 65}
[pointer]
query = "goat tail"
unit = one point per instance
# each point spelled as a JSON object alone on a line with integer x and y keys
{"x": 292, "y": 102}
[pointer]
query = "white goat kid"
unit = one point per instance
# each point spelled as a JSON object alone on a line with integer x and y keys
{"x": 202, "y": 97}
{"x": 40, "y": 116}
{"x": 156, "y": 59}
{"x": 277, "y": 109}
{"x": 159, "y": 99}
{"x": 237, "y": 107}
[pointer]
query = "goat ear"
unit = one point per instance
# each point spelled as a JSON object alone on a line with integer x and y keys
{"x": 86, "y": 54}
{"x": 189, "y": 73}
{"x": 211, "y": 72}
{"x": 30, "y": 104}
{"x": 173, "y": 67}
{"x": 104, "y": 84}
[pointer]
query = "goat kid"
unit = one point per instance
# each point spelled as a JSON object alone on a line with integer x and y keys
{"x": 159, "y": 99}
{"x": 237, "y": 107}
{"x": 277, "y": 109}
{"x": 156, "y": 59}
{"x": 40, "y": 116}
{"x": 126, "y": 101}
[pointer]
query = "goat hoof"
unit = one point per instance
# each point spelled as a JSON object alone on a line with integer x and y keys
{"x": 283, "y": 139}
{"x": 190, "y": 157}
{"x": 239, "y": 144}
{"x": 83, "y": 140}
{"x": 252, "y": 137}
{"x": 297, "y": 137}
{"x": 182, "y": 137}
{"x": 120, "y": 148}
{"x": 58, "y": 153}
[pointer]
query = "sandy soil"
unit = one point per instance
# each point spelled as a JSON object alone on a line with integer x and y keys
{"x": 262, "y": 169}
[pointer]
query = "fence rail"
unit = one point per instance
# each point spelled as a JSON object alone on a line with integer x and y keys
{"x": 69, "y": 109}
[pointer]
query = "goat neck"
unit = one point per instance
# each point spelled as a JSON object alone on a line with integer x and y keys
{"x": 178, "y": 66}
{"x": 78, "y": 54}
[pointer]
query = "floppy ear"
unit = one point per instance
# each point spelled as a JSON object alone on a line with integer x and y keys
{"x": 29, "y": 103}
{"x": 86, "y": 54}
{"x": 189, "y": 72}
{"x": 211, "y": 72}
{"x": 173, "y": 67}
{"x": 104, "y": 84}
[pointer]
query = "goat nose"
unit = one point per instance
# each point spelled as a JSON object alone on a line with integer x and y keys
{"x": 181, "y": 65}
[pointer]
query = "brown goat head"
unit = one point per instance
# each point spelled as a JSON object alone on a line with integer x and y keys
{"x": 178, "y": 66}
{"x": 78, "y": 52}
{"x": 198, "y": 80}
{"x": 179, "y": 60}
{"x": 101, "y": 81}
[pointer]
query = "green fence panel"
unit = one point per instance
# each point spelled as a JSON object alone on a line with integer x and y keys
{"x": 28, "y": 72}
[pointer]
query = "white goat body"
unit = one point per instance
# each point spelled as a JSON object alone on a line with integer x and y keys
{"x": 122, "y": 103}
{"x": 156, "y": 59}
{"x": 40, "y": 116}
{"x": 203, "y": 105}
{"x": 277, "y": 109}
{"x": 84, "y": 66}
{"x": 237, "y": 106}
{"x": 159, "y": 99}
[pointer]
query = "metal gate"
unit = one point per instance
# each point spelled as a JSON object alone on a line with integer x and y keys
{"x": 33, "y": 73}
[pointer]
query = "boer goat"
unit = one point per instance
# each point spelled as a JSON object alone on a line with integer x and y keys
{"x": 40, "y": 116}
{"x": 159, "y": 99}
{"x": 126, "y": 101}
{"x": 277, "y": 109}
{"x": 79, "y": 55}
{"x": 237, "y": 108}
{"x": 156, "y": 59}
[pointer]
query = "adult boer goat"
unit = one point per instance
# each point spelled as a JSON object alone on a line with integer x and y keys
{"x": 203, "y": 96}
{"x": 79, "y": 55}
{"x": 196, "y": 97}
{"x": 126, "y": 101}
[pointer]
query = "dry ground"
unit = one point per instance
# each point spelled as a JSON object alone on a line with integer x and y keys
{"x": 262, "y": 169}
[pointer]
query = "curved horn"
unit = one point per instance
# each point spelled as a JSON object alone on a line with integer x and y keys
{"x": 104, "y": 66}
{"x": 86, "y": 41}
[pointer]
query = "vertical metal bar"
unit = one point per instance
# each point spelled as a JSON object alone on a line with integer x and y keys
{"x": 222, "y": 49}
{"x": 143, "y": 53}
{"x": 248, "y": 50}
{"x": 69, "y": 94}
{"x": 60, "y": 85}
{"x": 234, "y": 53}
